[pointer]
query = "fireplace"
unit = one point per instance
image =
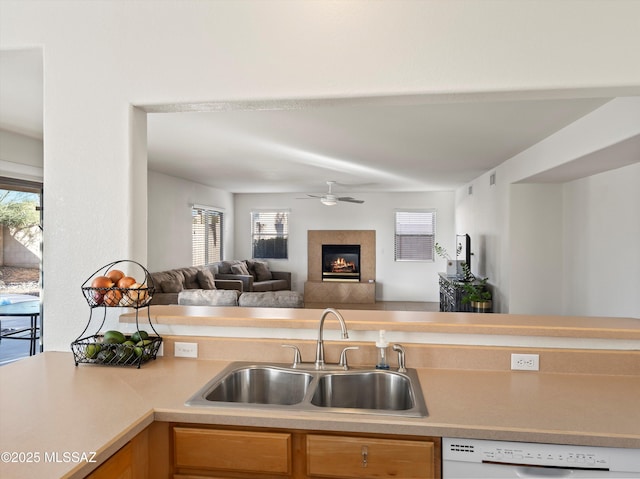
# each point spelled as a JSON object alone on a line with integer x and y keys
{"x": 340, "y": 262}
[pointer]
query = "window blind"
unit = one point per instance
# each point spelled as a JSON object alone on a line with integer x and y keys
{"x": 414, "y": 235}
{"x": 206, "y": 239}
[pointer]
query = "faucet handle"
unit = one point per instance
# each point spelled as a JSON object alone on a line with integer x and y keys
{"x": 400, "y": 350}
{"x": 297, "y": 357}
{"x": 343, "y": 357}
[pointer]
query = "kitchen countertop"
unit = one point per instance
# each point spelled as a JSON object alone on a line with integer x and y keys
{"x": 408, "y": 321}
{"x": 50, "y": 407}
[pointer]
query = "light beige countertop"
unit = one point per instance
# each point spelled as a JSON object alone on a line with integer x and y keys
{"x": 408, "y": 321}
{"x": 49, "y": 407}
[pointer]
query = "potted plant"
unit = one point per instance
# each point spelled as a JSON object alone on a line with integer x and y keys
{"x": 453, "y": 266}
{"x": 476, "y": 292}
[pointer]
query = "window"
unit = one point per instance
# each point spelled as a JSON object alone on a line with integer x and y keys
{"x": 415, "y": 235}
{"x": 270, "y": 234}
{"x": 206, "y": 239}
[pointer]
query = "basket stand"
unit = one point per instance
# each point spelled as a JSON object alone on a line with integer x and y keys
{"x": 112, "y": 350}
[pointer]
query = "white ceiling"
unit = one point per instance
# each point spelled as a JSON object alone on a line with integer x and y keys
{"x": 366, "y": 145}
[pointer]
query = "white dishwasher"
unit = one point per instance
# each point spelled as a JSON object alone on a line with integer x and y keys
{"x": 476, "y": 459}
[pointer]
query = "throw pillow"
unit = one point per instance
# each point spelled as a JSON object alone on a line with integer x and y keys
{"x": 224, "y": 267}
{"x": 251, "y": 267}
{"x": 239, "y": 268}
{"x": 171, "y": 286}
{"x": 243, "y": 265}
{"x": 206, "y": 280}
{"x": 190, "y": 278}
{"x": 262, "y": 271}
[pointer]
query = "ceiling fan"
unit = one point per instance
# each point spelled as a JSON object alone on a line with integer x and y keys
{"x": 329, "y": 199}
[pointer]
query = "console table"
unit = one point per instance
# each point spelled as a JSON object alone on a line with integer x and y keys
{"x": 452, "y": 292}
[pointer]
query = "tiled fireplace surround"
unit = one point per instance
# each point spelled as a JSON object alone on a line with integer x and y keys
{"x": 318, "y": 291}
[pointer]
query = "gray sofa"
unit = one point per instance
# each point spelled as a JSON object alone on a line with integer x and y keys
{"x": 168, "y": 284}
{"x": 223, "y": 297}
{"x": 255, "y": 275}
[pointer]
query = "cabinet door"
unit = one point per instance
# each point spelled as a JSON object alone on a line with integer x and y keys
{"x": 223, "y": 450}
{"x": 118, "y": 466}
{"x": 130, "y": 462}
{"x": 361, "y": 457}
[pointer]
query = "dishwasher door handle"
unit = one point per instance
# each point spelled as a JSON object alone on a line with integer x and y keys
{"x": 538, "y": 472}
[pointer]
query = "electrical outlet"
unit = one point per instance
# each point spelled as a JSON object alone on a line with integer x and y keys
{"x": 185, "y": 350}
{"x": 525, "y": 362}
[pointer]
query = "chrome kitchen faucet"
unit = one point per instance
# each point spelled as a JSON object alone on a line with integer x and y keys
{"x": 320, "y": 344}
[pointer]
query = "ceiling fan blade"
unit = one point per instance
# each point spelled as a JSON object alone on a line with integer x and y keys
{"x": 349, "y": 199}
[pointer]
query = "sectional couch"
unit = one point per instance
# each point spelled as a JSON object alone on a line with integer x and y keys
{"x": 227, "y": 297}
{"x": 237, "y": 275}
{"x": 255, "y": 275}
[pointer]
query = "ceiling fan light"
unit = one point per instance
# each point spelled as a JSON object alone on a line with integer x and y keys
{"x": 328, "y": 201}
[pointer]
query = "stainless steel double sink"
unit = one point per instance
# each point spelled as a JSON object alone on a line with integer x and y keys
{"x": 282, "y": 387}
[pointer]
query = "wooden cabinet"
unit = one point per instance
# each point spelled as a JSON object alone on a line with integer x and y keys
{"x": 236, "y": 451}
{"x": 362, "y": 457}
{"x": 226, "y": 452}
{"x": 118, "y": 466}
{"x": 146, "y": 456}
{"x": 130, "y": 462}
{"x": 193, "y": 451}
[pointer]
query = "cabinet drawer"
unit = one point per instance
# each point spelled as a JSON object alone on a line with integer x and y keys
{"x": 360, "y": 457}
{"x": 242, "y": 451}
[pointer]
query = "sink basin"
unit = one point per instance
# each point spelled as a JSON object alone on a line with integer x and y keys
{"x": 304, "y": 389}
{"x": 260, "y": 385}
{"x": 383, "y": 390}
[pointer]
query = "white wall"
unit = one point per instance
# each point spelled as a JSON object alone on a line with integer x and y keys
{"x": 102, "y": 57}
{"x": 396, "y": 281}
{"x": 483, "y": 215}
{"x": 536, "y": 249}
{"x": 20, "y": 156}
{"x": 496, "y": 218}
{"x": 601, "y": 231}
{"x": 170, "y": 222}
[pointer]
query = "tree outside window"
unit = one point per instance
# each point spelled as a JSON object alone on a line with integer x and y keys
{"x": 270, "y": 234}
{"x": 20, "y": 217}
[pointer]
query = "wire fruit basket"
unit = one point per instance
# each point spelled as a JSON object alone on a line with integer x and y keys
{"x": 109, "y": 287}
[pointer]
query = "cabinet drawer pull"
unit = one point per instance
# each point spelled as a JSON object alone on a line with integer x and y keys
{"x": 365, "y": 455}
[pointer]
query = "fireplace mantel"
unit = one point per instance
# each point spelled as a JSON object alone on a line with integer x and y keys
{"x": 364, "y": 291}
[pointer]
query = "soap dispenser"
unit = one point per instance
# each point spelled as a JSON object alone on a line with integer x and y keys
{"x": 383, "y": 346}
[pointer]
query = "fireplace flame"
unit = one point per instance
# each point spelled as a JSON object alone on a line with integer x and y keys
{"x": 340, "y": 265}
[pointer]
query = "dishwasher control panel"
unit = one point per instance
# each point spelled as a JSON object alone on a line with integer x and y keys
{"x": 533, "y": 454}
